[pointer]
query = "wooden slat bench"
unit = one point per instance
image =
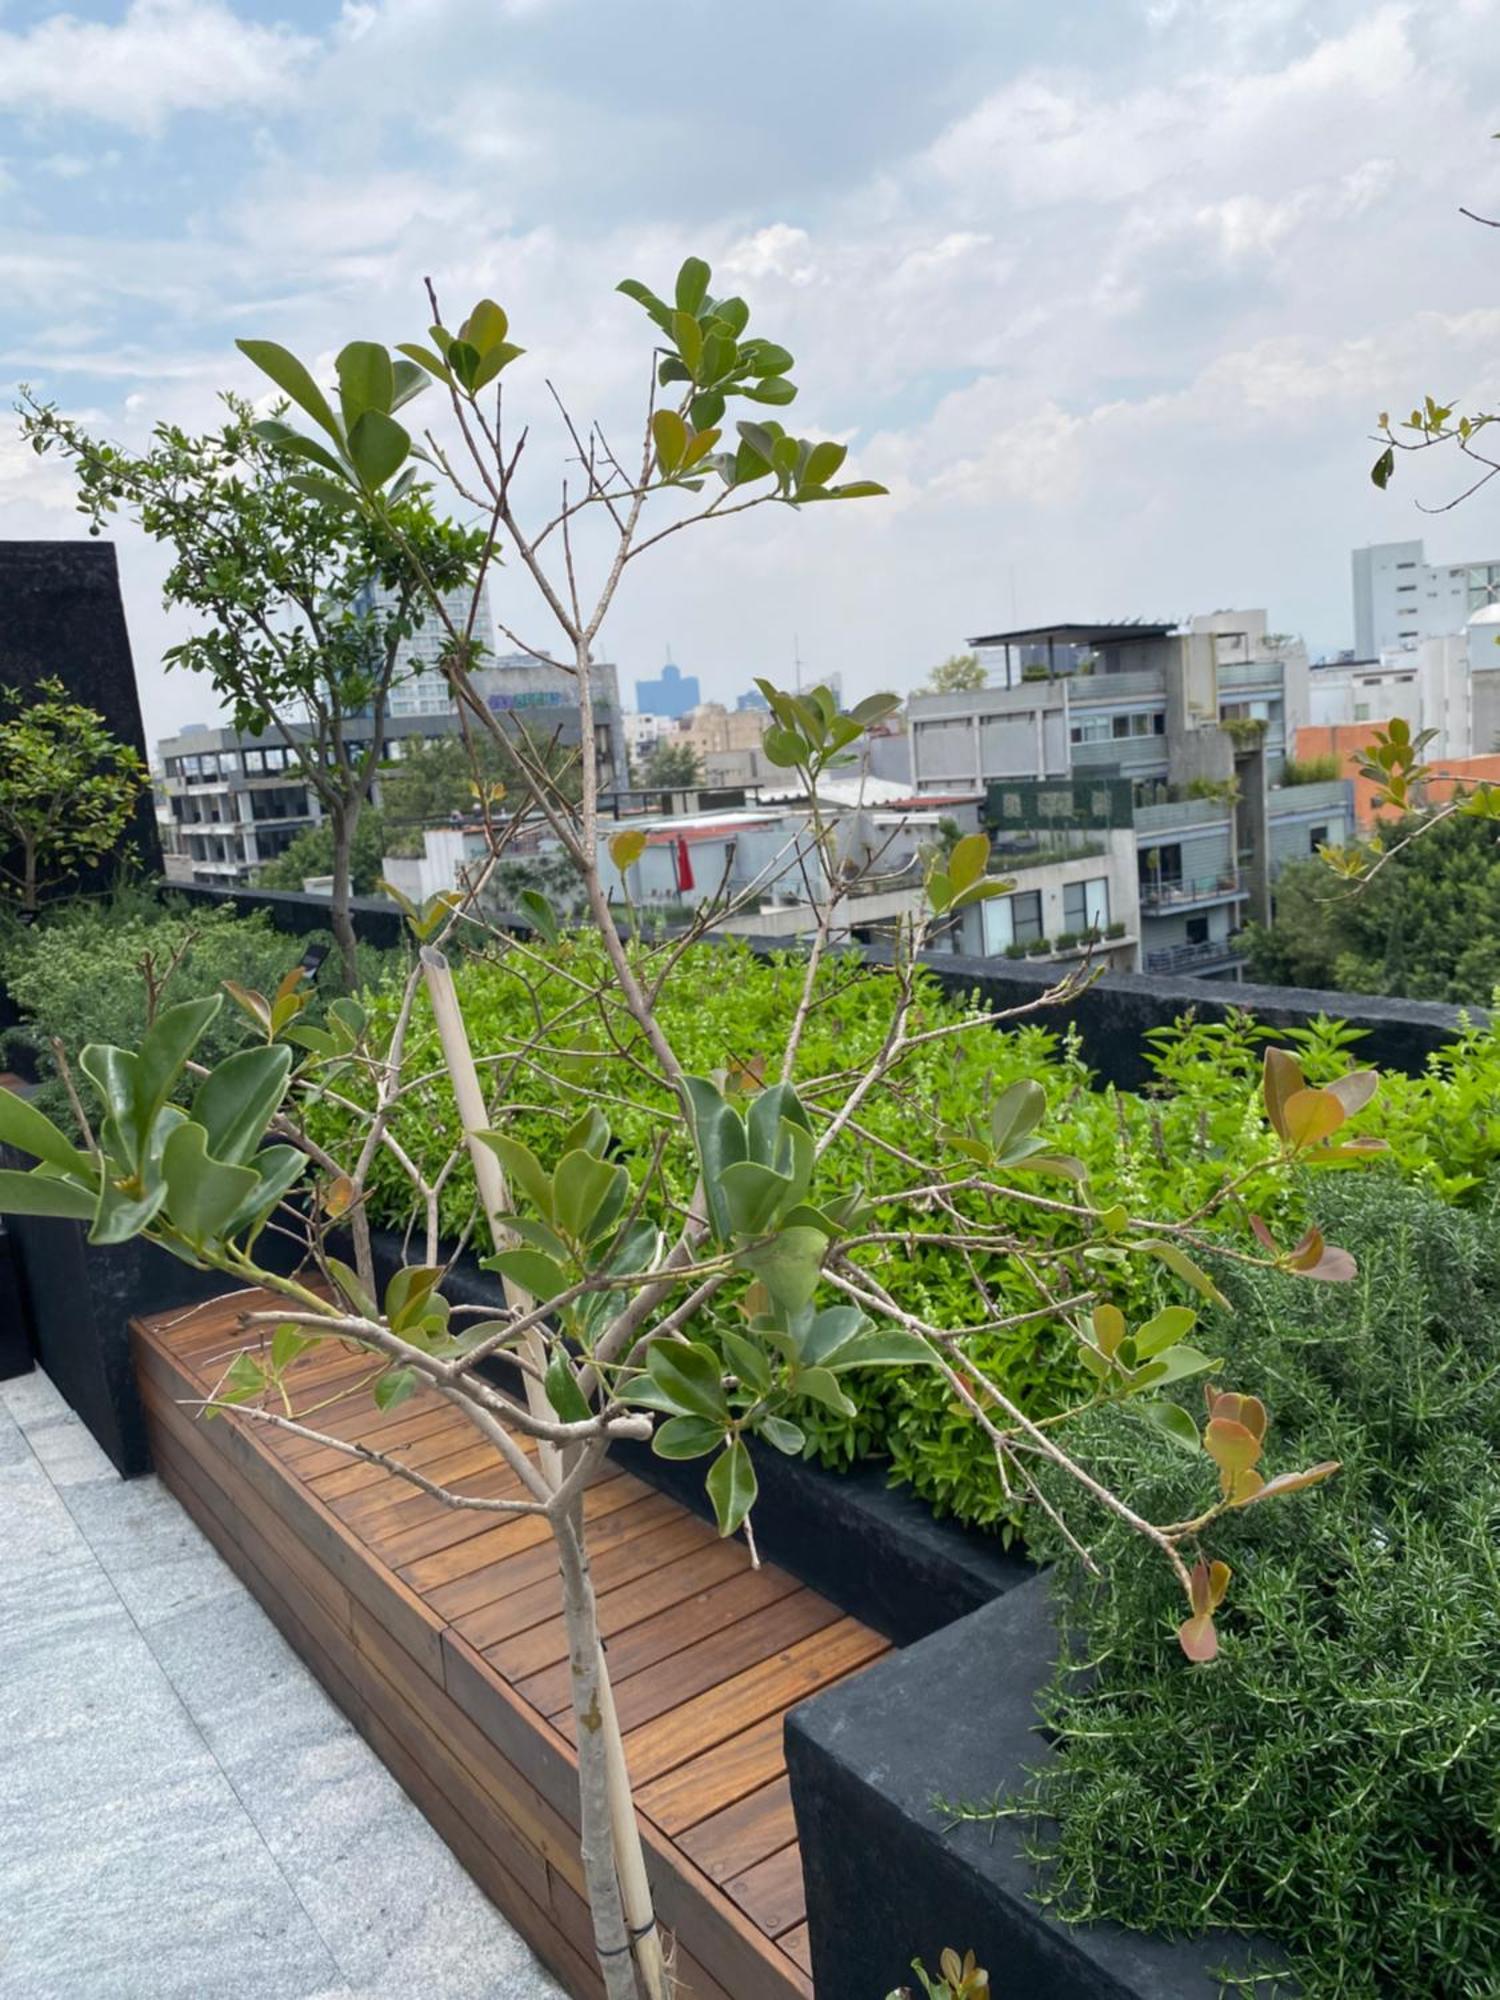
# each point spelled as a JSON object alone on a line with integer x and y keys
{"x": 439, "y": 1632}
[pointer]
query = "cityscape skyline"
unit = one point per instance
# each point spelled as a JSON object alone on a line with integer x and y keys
{"x": 1109, "y": 296}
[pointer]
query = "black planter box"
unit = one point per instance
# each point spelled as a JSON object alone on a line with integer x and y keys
{"x": 888, "y": 1880}
{"x": 15, "y": 1330}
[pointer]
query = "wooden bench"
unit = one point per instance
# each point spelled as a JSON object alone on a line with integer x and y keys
{"x": 439, "y": 1633}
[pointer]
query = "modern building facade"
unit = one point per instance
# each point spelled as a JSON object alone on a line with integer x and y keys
{"x": 1175, "y": 737}
{"x": 1400, "y": 598}
{"x": 237, "y": 801}
{"x": 1449, "y": 684}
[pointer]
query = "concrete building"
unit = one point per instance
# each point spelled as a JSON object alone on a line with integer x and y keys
{"x": 671, "y": 693}
{"x": 237, "y": 801}
{"x": 1400, "y": 598}
{"x": 1176, "y": 738}
{"x": 1449, "y": 684}
{"x": 419, "y": 686}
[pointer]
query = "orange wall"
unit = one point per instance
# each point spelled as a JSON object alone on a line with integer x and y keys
{"x": 1349, "y": 740}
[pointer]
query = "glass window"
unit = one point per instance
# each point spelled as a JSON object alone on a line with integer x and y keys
{"x": 1086, "y": 905}
{"x": 1091, "y": 729}
{"x": 1025, "y": 913}
{"x": 1317, "y": 836}
{"x": 1121, "y": 725}
{"x": 190, "y": 767}
{"x": 255, "y": 763}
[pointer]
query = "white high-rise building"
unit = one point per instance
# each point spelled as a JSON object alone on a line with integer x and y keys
{"x": 1400, "y": 598}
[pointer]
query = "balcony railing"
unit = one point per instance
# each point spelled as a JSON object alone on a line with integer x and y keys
{"x": 1192, "y": 957}
{"x": 1222, "y": 888}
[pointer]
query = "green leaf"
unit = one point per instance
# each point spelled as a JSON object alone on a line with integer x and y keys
{"x": 523, "y": 1168}
{"x": 1178, "y": 1261}
{"x": 658, "y": 309}
{"x": 581, "y": 1187}
{"x": 691, "y": 1376}
{"x": 203, "y": 1194}
{"x": 688, "y": 335}
{"x": 324, "y": 491}
{"x": 692, "y": 284}
{"x": 408, "y": 1292}
{"x": 753, "y": 1194}
{"x": 732, "y": 1486}
{"x": 783, "y": 1434}
{"x": 38, "y": 1193}
{"x": 828, "y": 1332}
{"x": 347, "y": 1280}
{"x": 532, "y": 1271}
{"x": 788, "y": 1266}
{"x": 750, "y": 1363}
{"x": 1016, "y": 1112}
{"x": 774, "y": 389}
{"x": 485, "y": 327}
{"x": 884, "y": 1347}
{"x": 670, "y": 435}
{"x": 785, "y": 748}
{"x": 719, "y": 1136}
{"x": 287, "y": 1342}
{"x": 289, "y": 375}
{"x": 859, "y": 489}
{"x": 378, "y": 446}
{"x": 277, "y": 1169}
{"x": 243, "y": 1379}
{"x": 967, "y": 862}
{"x": 543, "y": 917}
{"x": 822, "y": 1385}
{"x": 425, "y": 358}
{"x": 235, "y": 1102}
{"x": 394, "y": 1386}
{"x": 31, "y": 1131}
{"x": 563, "y": 1392}
{"x": 1173, "y": 1422}
{"x": 1170, "y": 1325}
{"x": 687, "y": 1437}
{"x": 366, "y": 382}
{"x": 627, "y": 847}
{"x": 1181, "y": 1361}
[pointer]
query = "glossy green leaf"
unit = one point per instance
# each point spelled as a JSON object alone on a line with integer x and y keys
{"x": 366, "y": 382}
{"x": 563, "y": 1392}
{"x": 31, "y": 1131}
{"x": 670, "y": 435}
{"x": 822, "y": 1385}
{"x": 732, "y": 1486}
{"x": 788, "y": 1266}
{"x": 786, "y": 1436}
{"x": 753, "y": 1194}
{"x": 289, "y": 375}
{"x": 394, "y": 1386}
{"x": 692, "y": 284}
{"x": 378, "y": 446}
{"x": 967, "y": 862}
{"x": 203, "y": 1194}
{"x": 523, "y": 1168}
{"x": 581, "y": 1187}
{"x": 691, "y": 1375}
{"x": 1173, "y": 1422}
{"x": 235, "y": 1102}
{"x": 1170, "y": 1325}
{"x": 687, "y": 1437}
{"x": 719, "y": 1136}
{"x": 39, "y": 1193}
{"x": 531, "y": 1270}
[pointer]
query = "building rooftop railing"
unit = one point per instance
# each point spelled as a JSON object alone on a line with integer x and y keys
{"x": 1192, "y": 957}
{"x": 1222, "y": 888}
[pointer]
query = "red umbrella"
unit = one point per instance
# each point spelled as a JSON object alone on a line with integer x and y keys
{"x": 684, "y": 864}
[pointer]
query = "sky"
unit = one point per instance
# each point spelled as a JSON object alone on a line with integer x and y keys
{"x": 1108, "y": 293}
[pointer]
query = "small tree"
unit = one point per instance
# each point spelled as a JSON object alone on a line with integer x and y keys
{"x": 468, "y": 775}
{"x": 311, "y": 852}
{"x": 698, "y": 1301}
{"x": 304, "y": 607}
{"x": 68, "y": 790}
{"x": 960, "y": 673}
{"x": 671, "y": 767}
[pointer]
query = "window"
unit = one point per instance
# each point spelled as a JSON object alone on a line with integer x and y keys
{"x": 1317, "y": 836}
{"x": 1361, "y": 711}
{"x": 1091, "y": 729}
{"x": 190, "y": 767}
{"x": 1197, "y": 930}
{"x": 1141, "y": 723}
{"x": 255, "y": 763}
{"x": 1121, "y": 725}
{"x": 1161, "y": 865}
{"x": 1086, "y": 905}
{"x": 1025, "y": 912}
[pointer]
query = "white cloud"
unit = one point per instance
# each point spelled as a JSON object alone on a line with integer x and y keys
{"x": 164, "y": 56}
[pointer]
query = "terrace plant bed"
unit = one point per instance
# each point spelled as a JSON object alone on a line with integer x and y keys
{"x": 440, "y": 1635}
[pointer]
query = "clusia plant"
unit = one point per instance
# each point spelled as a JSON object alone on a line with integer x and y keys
{"x": 701, "y": 1311}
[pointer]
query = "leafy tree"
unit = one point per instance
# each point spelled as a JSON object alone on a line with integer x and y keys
{"x": 960, "y": 673}
{"x": 302, "y": 608}
{"x": 1425, "y": 927}
{"x": 68, "y": 789}
{"x": 767, "y": 1286}
{"x": 671, "y": 767}
{"x": 311, "y": 853}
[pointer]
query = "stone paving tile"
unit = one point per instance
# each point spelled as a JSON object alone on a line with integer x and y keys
{"x": 185, "y": 1814}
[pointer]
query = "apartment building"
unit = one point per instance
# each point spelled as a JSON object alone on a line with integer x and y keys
{"x": 237, "y": 801}
{"x": 1400, "y": 598}
{"x": 1195, "y": 723}
{"x": 1449, "y": 684}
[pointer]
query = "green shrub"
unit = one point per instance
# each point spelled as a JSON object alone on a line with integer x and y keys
{"x": 77, "y": 974}
{"x": 1332, "y": 1782}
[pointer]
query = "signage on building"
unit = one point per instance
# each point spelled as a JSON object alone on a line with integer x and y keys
{"x": 1092, "y": 805}
{"x": 528, "y": 698}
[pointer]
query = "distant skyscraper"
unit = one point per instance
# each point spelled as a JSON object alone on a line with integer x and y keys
{"x": 419, "y": 686}
{"x": 754, "y": 699}
{"x": 674, "y": 693}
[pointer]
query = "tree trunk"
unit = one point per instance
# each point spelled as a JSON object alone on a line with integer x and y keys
{"x": 595, "y": 1828}
{"x": 28, "y": 885}
{"x": 343, "y": 820}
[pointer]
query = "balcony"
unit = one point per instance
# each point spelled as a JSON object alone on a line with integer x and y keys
{"x": 1194, "y": 892}
{"x": 1214, "y": 954}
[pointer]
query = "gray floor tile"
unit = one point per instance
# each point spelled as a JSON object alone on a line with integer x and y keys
{"x": 32, "y": 1400}
{"x": 39, "y": 1534}
{"x": 154, "y": 1591}
{"x": 69, "y": 1454}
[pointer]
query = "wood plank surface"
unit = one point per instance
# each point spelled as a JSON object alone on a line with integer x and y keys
{"x": 440, "y": 1631}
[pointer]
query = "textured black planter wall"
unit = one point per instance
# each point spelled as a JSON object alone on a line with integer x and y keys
{"x": 952, "y": 1718}
{"x": 15, "y": 1331}
{"x": 61, "y": 616}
